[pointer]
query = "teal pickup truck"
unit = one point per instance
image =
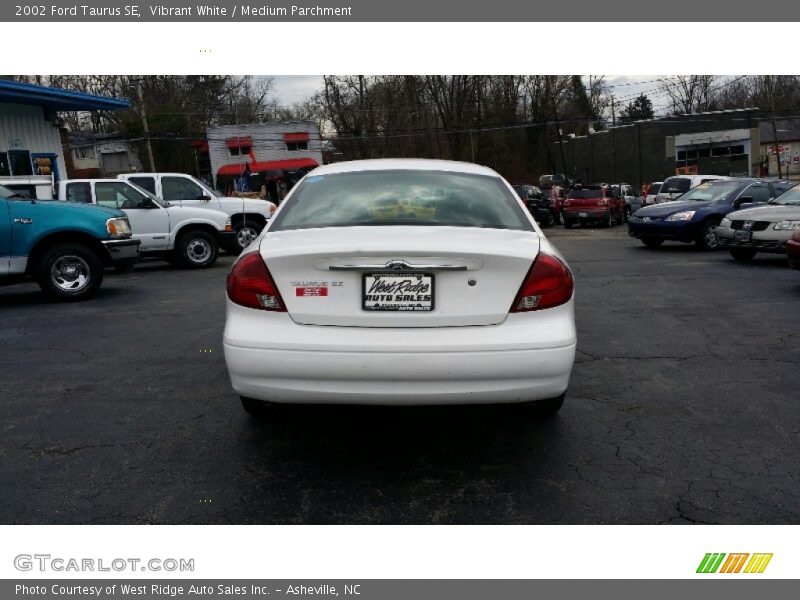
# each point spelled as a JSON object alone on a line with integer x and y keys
{"x": 63, "y": 246}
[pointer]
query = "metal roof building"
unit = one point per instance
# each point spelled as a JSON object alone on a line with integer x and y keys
{"x": 30, "y": 143}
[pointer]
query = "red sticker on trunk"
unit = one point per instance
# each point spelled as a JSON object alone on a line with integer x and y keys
{"x": 310, "y": 291}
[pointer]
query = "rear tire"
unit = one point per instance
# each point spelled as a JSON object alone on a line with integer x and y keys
{"x": 743, "y": 254}
{"x": 69, "y": 272}
{"x": 541, "y": 409}
{"x": 197, "y": 249}
{"x": 255, "y": 407}
{"x": 652, "y": 242}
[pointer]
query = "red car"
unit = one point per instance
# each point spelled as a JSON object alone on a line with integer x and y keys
{"x": 593, "y": 203}
{"x": 793, "y": 250}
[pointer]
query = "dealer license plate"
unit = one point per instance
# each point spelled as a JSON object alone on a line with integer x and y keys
{"x": 398, "y": 292}
{"x": 742, "y": 236}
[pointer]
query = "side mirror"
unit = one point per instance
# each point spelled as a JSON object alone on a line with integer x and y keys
{"x": 205, "y": 198}
{"x": 743, "y": 200}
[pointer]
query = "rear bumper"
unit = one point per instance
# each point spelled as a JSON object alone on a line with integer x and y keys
{"x": 122, "y": 252}
{"x": 528, "y": 357}
{"x": 574, "y": 214}
{"x": 541, "y": 213}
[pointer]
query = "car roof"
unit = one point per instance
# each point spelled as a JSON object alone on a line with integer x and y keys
{"x": 397, "y": 164}
{"x": 95, "y": 179}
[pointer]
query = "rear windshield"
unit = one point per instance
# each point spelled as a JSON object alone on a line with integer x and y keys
{"x": 403, "y": 197}
{"x": 654, "y": 189}
{"x": 676, "y": 185}
{"x": 586, "y": 193}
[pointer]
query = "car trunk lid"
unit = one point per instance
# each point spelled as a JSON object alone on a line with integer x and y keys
{"x": 324, "y": 275}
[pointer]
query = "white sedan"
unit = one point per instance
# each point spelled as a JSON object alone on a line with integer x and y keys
{"x": 401, "y": 281}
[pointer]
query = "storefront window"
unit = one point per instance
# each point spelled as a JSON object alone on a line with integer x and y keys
{"x": 20, "y": 162}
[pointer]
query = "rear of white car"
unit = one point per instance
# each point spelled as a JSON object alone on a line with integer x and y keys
{"x": 401, "y": 282}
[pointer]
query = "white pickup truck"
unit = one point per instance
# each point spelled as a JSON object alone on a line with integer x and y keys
{"x": 248, "y": 215}
{"x": 185, "y": 235}
{"x": 36, "y": 187}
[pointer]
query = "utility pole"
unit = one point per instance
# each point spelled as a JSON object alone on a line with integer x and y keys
{"x": 548, "y": 95}
{"x": 774, "y": 127}
{"x": 613, "y": 156}
{"x": 639, "y": 152}
{"x": 146, "y": 128}
{"x": 613, "y": 113}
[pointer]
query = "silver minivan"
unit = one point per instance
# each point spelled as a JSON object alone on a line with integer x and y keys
{"x": 674, "y": 187}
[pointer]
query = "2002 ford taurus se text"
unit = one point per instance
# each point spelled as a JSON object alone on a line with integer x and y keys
{"x": 401, "y": 282}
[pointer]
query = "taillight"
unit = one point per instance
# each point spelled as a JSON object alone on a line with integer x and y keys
{"x": 602, "y": 202}
{"x": 250, "y": 284}
{"x": 549, "y": 283}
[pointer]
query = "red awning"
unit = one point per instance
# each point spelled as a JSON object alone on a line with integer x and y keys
{"x": 301, "y": 136}
{"x": 291, "y": 164}
{"x": 239, "y": 142}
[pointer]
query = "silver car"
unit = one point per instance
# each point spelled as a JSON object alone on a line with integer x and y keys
{"x": 761, "y": 229}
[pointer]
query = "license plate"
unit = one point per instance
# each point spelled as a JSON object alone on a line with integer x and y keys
{"x": 742, "y": 236}
{"x": 583, "y": 215}
{"x": 398, "y": 292}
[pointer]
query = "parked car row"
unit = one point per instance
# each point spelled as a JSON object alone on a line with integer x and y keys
{"x": 605, "y": 203}
{"x": 742, "y": 215}
{"x": 64, "y": 237}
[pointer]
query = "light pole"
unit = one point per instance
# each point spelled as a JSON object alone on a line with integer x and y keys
{"x": 145, "y": 127}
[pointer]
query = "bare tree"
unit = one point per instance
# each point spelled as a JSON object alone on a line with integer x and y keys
{"x": 690, "y": 93}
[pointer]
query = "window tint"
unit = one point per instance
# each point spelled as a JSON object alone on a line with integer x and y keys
{"x": 180, "y": 188}
{"x": 586, "y": 193}
{"x": 80, "y": 191}
{"x": 714, "y": 191}
{"x": 119, "y": 195}
{"x": 760, "y": 193}
{"x": 676, "y": 185}
{"x": 403, "y": 197}
{"x": 146, "y": 183}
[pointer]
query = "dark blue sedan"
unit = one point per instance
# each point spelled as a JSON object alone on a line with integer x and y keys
{"x": 693, "y": 218}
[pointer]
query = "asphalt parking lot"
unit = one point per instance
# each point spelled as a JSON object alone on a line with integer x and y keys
{"x": 683, "y": 408}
